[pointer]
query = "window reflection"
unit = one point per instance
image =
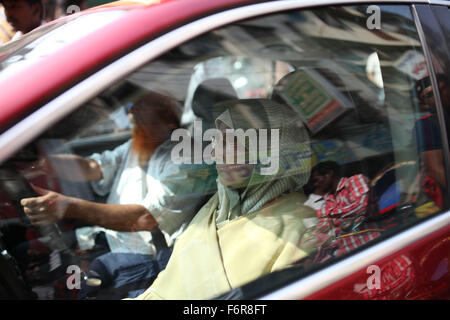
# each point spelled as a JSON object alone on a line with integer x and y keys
{"x": 51, "y": 37}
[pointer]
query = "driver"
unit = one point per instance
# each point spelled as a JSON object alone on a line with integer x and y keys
{"x": 24, "y": 15}
{"x": 150, "y": 199}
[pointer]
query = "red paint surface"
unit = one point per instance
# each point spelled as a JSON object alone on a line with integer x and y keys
{"x": 419, "y": 271}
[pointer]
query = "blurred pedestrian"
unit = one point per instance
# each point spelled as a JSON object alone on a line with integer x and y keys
{"x": 24, "y": 15}
{"x": 6, "y": 30}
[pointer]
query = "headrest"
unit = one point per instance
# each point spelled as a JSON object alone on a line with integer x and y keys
{"x": 209, "y": 93}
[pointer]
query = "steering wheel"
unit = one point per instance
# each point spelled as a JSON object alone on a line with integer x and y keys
{"x": 17, "y": 187}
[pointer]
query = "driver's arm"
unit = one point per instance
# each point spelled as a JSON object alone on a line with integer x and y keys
{"x": 119, "y": 217}
{"x": 52, "y": 206}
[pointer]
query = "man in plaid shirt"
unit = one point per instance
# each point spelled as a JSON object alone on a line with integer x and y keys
{"x": 348, "y": 202}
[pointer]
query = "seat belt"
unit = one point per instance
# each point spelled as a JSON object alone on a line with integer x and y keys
{"x": 158, "y": 239}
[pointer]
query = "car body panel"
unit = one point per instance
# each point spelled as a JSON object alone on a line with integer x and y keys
{"x": 418, "y": 271}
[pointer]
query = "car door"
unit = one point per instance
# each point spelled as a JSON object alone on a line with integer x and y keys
{"x": 314, "y": 60}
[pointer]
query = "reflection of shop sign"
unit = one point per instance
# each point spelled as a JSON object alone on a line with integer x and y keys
{"x": 369, "y": 141}
{"x": 333, "y": 150}
{"x": 314, "y": 98}
{"x": 293, "y": 160}
{"x": 379, "y": 140}
{"x": 413, "y": 64}
{"x": 296, "y": 159}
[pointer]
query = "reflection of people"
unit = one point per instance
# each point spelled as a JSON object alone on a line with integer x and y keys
{"x": 429, "y": 143}
{"x": 253, "y": 225}
{"x": 146, "y": 191}
{"x": 24, "y": 15}
{"x": 348, "y": 202}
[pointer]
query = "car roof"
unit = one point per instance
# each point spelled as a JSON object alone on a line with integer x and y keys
{"x": 34, "y": 83}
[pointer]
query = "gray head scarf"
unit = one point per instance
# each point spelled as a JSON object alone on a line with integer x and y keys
{"x": 294, "y": 156}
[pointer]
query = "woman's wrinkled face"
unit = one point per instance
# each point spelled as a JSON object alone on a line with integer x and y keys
{"x": 231, "y": 174}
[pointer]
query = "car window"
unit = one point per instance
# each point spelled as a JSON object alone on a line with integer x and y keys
{"x": 291, "y": 140}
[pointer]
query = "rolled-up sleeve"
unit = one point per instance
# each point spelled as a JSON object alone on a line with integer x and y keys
{"x": 110, "y": 162}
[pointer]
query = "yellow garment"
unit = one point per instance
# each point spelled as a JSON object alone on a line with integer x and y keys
{"x": 6, "y": 30}
{"x": 426, "y": 209}
{"x": 207, "y": 261}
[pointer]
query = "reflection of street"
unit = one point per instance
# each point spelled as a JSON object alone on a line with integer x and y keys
{"x": 250, "y": 77}
{"x": 373, "y": 71}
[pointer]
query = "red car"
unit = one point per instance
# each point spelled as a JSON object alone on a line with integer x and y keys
{"x": 362, "y": 85}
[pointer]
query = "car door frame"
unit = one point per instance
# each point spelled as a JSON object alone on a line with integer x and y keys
{"x": 37, "y": 122}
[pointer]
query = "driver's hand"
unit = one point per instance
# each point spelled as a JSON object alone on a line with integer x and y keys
{"x": 48, "y": 207}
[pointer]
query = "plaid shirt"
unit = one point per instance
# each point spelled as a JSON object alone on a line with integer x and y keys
{"x": 341, "y": 216}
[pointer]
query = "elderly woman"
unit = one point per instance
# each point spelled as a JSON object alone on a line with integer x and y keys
{"x": 254, "y": 224}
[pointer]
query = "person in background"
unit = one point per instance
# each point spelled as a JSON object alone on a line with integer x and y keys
{"x": 348, "y": 203}
{"x": 427, "y": 135}
{"x": 24, "y": 15}
{"x": 314, "y": 192}
{"x": 6, "y": 30}
{"x": 150, "y": 199}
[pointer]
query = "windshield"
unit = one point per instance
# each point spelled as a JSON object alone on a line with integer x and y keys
{"x": 51, "y": 37}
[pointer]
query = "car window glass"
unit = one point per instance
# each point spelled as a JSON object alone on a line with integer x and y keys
{"x": 290, "y": 140}
{"x": 54, "y": 36}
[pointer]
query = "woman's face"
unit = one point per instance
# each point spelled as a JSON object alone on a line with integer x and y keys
{"x": 231, "y": 174}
